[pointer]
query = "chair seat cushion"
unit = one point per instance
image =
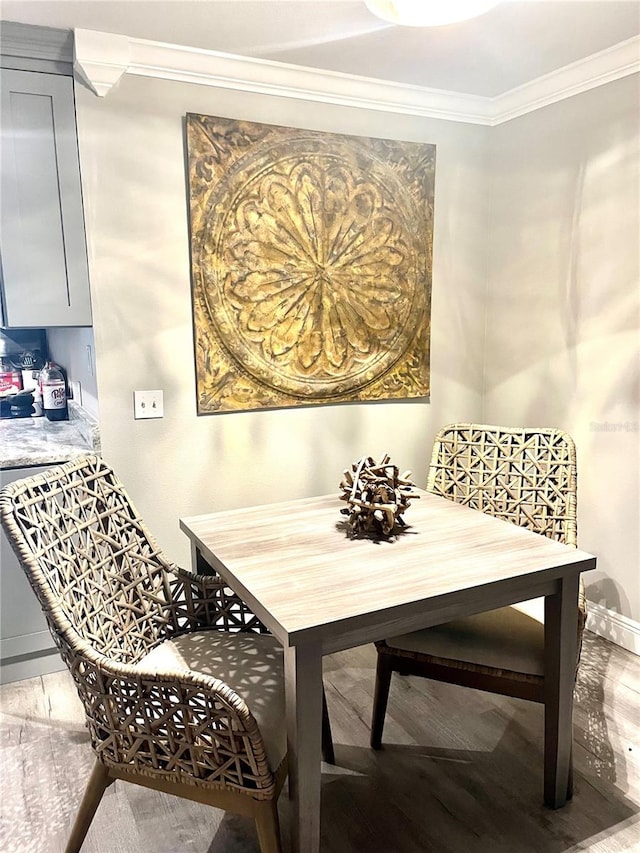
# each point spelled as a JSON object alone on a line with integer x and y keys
{"x": 507, "y": 639}
{"x": 249, "y": 663}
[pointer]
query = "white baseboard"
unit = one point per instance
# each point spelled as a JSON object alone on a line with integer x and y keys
{"x": 614, "y": 626}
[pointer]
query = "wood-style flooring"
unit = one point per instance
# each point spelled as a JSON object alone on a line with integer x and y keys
{"x": 460, "y": 772}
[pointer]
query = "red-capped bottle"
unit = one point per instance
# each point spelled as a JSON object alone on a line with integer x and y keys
{"x": 54, "y": 393}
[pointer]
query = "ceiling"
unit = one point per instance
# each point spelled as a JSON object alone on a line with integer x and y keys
{"x": 518, "y": 41}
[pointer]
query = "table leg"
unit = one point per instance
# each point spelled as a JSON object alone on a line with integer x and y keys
{"x": 198, "y": 563}
{"x": 303, "y": 689}
{"x": 560, "y": 651}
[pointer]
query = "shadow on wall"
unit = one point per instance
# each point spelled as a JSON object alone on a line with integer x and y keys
{"x": 606, "y": 592}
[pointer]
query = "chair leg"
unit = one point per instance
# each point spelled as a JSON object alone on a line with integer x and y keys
{"x": 268, "y": 826}
{"x": 380, "y": 697}
{"x": 98, "y": 782}
{"x": 328, "y": 754}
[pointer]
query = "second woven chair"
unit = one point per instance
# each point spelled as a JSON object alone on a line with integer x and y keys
{"x": 524, "y": 476}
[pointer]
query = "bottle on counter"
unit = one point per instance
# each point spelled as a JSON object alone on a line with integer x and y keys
{"x": 54, "y": 393}
{"x": 37, "y": 402}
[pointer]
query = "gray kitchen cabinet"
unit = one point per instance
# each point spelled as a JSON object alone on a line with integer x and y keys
{"x": 45, "y": 278}
{"x": 26, "y": 646}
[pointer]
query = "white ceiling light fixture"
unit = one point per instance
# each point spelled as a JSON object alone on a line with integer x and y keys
{"x": 428, "y": 13}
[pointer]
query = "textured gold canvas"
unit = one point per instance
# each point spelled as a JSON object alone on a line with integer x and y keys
{"x": 311, "y": 265}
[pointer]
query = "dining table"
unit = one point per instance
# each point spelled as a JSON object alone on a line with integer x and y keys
{"x": 320, "y": 590}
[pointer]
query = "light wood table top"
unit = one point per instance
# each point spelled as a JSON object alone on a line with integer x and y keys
{"x": 296, "y": 565}
{"x": 319, "y": 591}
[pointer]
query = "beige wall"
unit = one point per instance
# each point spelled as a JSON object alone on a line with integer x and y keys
{"x": 550, "y": 198}
{"x": 132, "y": 160}
{"x": 563, "y": 313}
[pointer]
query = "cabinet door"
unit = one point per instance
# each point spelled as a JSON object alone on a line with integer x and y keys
{"x": 26, "y": 646}
{"x": 42, "y": 239}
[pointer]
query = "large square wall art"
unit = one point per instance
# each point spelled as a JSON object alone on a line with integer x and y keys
{"x": 311, "y": 265}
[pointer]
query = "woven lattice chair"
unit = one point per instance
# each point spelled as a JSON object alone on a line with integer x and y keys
{"x": 524, "y": 476}
{"x": 169, "y": 705}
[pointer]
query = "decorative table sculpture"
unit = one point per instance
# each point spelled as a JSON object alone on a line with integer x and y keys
{"x": 376, "y": 497}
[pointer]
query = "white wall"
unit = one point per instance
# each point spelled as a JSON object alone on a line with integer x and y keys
{"x": 134, "y": 185}
{"x": 563, "y": 314}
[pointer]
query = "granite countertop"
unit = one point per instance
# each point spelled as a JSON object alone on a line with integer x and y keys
{"x": 36, "y": 441}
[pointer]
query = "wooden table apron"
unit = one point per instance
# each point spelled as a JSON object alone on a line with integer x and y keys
{"x": 319, "y": 592}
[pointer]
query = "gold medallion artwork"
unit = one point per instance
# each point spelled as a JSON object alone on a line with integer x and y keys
{"x": 311, "y": 265}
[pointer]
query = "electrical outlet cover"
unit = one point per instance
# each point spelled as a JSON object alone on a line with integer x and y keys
{"x": 148, "y": 404}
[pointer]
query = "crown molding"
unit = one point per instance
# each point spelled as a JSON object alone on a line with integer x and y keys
{"x": 596, "y": 70}
{"x": 101, "y": 59}
{"x": 30, "y": 48}
{"x": 31, "y": 42}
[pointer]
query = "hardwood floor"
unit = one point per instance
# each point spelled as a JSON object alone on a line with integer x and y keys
{"x": 460, "y": 772}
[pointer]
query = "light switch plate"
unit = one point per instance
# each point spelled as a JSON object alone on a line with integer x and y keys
{"x": 148, "y": 404}
{"x": 76, "y": 391}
